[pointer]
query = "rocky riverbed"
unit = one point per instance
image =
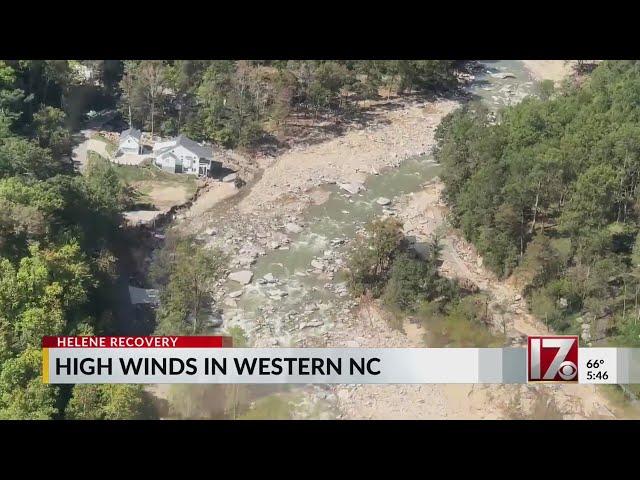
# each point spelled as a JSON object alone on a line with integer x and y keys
{"x": 287, "y": 237}
{"x": 284, "y": 285}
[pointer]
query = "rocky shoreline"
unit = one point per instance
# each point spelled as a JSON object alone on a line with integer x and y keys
{"x": 271, "y": 213}
{"x": 270, "y": 217}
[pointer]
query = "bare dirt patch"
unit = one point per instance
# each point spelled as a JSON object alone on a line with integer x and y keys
{"x": 556, "y": 70}
{"x": 392, "y": 135}
{"x": 98, "y": 146}
{"x": 212, "y": 196}
{"x": 369, "y": 329}
{"x": 163, "y": 196}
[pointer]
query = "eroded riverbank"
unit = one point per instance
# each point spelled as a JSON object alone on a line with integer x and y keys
{"x": 288, "y": 235}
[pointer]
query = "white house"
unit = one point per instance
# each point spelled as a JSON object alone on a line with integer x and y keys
{"x": 130, "y": 142}
{"x": 183, "y": 155}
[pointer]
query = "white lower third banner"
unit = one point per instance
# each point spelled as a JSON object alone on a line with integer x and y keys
{"x": 73, "y": 360}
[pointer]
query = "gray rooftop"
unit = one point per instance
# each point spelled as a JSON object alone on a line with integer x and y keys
{"x": 199, "y": 150}
{"x": 130, "y": 132}
{"x": 194, "y": 147}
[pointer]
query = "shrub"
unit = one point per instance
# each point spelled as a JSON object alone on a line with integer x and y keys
{"x": 373, "y": 256}
{"x": 462, "y": 324}
{"x": 413, "y": 280}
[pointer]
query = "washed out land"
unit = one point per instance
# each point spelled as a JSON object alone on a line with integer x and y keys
{"x": 445, "y": 177}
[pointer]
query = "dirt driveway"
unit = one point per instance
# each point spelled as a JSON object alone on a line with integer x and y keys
{"x": 79, "y": 152}
{"x": 87, "y": 144}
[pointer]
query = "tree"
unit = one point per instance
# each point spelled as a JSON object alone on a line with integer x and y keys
{"x": 57, "y": 76}
{"x": 11, "y": 96}
{"x": 191, "y": 273}
{"x": 241, "y": 104}
{"x": 283, "y": 98}
{"x": 593, "y": 201}
{"x": 19, "y": 156}
{"x": 52, "y": 132}
{"x": 546, "y": 89}
{"x": 23, "y": 396}
{"x": 151, "y": 74}
{"x": 108, "y": 402}
{"x": 128, "y": 85}
{"x": 104, "y": 186}
{"x": 373, "y": 256}
{"x": 329, "y": 79}
{"x": 541, "y": 263}
{"x": 413, "y": 280}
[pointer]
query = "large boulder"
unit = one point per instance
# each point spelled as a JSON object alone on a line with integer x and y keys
{"x": 293, "y": 228}
{"x": 214, "y": 320}
{"x": 230, "y": 178}
{"x": 230, "y": 302}
{"x": 383, "y": 201}
{"x": 353, "y": 187}
{"x": 243, "y": 276}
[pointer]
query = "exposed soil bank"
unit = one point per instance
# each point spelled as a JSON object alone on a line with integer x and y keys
{"x": 254, "y": 224}
{"x": 396, "y": 131}
{"x": 555, "y": 70}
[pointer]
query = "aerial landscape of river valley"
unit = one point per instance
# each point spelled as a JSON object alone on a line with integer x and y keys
{"x": 288, "y": 233}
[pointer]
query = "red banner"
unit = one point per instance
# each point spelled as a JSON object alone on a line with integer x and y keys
{"x": 136, "y": 342}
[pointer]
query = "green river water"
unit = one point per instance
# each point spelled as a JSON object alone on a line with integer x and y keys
{"x": 342, "y": 215}
{"x": 311, "y": 298}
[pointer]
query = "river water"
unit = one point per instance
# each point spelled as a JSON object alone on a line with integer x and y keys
{"x": 309, "y": 291}
{"x": 304, "y": 294}
{"x": 497, "y": 92}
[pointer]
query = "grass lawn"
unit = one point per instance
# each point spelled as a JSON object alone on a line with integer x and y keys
{"x": 157, "y": 187}
{"x": 153, "y": 186}
{"x": 147, "y": 172}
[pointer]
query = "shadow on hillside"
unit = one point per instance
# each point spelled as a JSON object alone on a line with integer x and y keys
{"x": 220, "y": 172}
{"x": 305, "y": 127}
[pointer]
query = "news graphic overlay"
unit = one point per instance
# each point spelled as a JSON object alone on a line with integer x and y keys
{"x": 552, "y": 359}
{"x": 212, "y": 359}
{"x": 95, "y": 357}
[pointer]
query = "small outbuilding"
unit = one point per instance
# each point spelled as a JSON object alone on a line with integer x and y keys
{"x": 130, "y": 142}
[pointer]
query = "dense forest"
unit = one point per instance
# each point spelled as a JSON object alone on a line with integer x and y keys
{"x": 243, "y": 103}
{"x": 228, "y": 102}
{"x": 549, "y": 194}
{"x": 58, "y": 231}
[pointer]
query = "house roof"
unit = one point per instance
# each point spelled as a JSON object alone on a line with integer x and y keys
{"x": 199, "y": 150}
{"x": 194, "y": 147}
{"x": 130, "y": 132}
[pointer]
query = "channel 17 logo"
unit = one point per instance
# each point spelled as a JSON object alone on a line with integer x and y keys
{"x": 553, "y": 359}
